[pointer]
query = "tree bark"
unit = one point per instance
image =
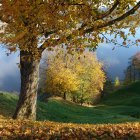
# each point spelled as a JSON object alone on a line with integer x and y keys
{"x": 29, "y": 69}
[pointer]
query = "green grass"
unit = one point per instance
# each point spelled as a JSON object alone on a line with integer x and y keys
{"x": 7, "y": 104}
{"x": 120, "y": 106}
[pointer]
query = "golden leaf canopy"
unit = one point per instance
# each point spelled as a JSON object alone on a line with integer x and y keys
{"x": 33, "y": 25}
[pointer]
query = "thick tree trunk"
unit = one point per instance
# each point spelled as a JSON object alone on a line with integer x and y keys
{"x": 29, "y": 68}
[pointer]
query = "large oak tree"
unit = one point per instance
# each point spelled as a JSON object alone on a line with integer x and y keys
{"x": 31, "y": 26}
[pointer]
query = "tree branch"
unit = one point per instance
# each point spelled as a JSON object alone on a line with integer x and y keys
{"x": 106, "y": 24}
{"x": 109, "y": 23}
{"x": 107, "y": 13}
{"x": 103, "y": 15}
{"x": 49, "y": 33}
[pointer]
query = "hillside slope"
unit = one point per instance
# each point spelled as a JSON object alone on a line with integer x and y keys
{"x": 120, "y": 106}
{"x": 129, "y": 95}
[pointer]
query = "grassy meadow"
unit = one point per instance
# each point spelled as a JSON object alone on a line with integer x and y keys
{"x": 120, "y": 106}
{"x": 117, "y": 117}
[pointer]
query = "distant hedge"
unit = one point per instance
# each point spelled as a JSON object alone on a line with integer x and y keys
{"x": 26, "y": 130}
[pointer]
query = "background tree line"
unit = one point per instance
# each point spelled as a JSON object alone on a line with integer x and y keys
{"x": 132, "y": 73}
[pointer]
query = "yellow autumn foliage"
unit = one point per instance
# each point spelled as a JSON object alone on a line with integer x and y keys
{"x": 74, "y": 73}
{"x": 61, "y": 80}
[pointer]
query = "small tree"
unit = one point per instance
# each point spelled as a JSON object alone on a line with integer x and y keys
{"x": 60, "y": 80}
{"x": 108, "y": 87}
{"x": 80, "y": 75}
{"x": 132, "y": 73}
{"x": 136, "y": 61}
{"x": 117, "y": 82}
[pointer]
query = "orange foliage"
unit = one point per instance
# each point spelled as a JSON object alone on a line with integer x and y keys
{"x": 10, "y": 130}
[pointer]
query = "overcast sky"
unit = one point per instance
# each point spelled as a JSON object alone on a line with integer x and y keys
{"x": 9, "y": 72}
{"x": 116, "y": 60}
